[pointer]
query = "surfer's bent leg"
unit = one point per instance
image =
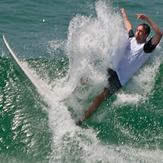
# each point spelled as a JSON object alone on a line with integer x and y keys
{"x": 96, "y": 103}
{"x": 113, "y": 86}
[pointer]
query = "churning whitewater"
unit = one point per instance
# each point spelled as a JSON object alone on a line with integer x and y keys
{"x": 126, "y": 128}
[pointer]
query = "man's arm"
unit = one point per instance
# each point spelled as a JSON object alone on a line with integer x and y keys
{"x": 127, "y": 23}
{"x": 158, "y": 33}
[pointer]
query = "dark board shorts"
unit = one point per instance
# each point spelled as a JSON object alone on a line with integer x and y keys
{"x": 113, "y": 82}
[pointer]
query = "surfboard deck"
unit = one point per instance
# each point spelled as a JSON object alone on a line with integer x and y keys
{"x": 17, "y": 62}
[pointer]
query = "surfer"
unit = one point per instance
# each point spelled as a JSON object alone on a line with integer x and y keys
{"x": 136, "y": 53}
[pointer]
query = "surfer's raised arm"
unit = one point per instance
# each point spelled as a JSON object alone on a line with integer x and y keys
{"x": 127, "y": 23}
{"x": 158, "y": 33}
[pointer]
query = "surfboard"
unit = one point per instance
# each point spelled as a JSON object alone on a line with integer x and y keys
{"x": 19, "y": 66}
{"x": 29, "y": 74}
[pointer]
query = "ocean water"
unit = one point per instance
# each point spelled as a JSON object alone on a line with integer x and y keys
{"x": 58, "y": 42}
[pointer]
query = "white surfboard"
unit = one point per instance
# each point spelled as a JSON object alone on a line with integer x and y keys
{"x": 39, "y": 84}
{"x": 18, "y": 64}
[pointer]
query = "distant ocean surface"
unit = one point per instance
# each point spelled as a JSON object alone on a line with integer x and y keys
{"x": 58, "y": 42}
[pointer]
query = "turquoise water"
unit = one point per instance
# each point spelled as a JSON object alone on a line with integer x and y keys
{"x": 59, "y": 42}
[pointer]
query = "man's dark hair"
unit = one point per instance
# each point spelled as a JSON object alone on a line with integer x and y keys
{"x": 146, "y": 27}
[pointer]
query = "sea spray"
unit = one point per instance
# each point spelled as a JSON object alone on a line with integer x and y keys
{"x": 90, "y": 43}
{"x": 126, "y": 128}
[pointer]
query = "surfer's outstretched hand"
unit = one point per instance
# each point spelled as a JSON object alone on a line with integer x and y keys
{"x": 123, "y": 10}
{"x": 142, "y": 17}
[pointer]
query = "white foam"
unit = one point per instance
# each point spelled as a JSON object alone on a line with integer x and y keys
{"x": 89, "y": 45}
{"x": 91, "y": 40}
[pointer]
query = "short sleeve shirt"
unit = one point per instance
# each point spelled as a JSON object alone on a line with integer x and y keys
{"x": 133, "y": 57}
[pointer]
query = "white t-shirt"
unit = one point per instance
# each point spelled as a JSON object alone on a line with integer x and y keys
{"x": 132, "y": 59}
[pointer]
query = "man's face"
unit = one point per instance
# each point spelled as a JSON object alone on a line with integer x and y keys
{"x": 141, "y": 35}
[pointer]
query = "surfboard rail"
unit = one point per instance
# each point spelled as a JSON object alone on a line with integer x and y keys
{"x": 17, "y": 63}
